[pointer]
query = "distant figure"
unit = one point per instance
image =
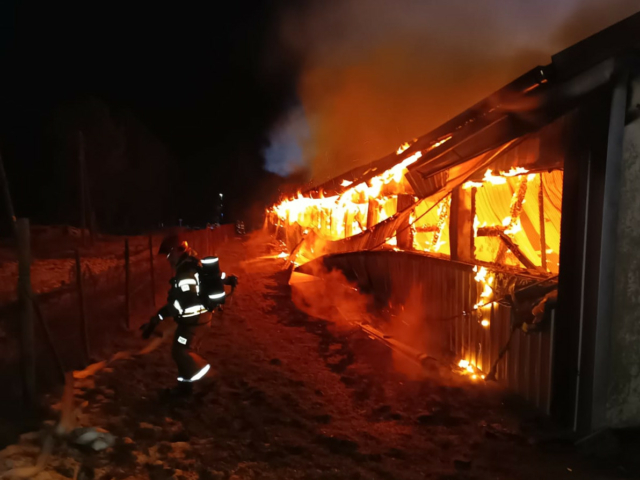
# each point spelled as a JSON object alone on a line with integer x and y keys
{"x": 240, "y": 228}
{"x": 196, "y": 290}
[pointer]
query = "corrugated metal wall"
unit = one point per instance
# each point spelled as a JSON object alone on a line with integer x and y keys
{"x": 447, "y": 290}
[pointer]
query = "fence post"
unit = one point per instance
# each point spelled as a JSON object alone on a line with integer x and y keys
{"x": 127, "y": 285}
{"x": 83, "y": 189}
{"x": 82, "y": 307}
{"x": 152, "y": 272}
{"x": 49, "y": 338}
{"x": 26, "y": 312}
{"x": 7, "y": 198}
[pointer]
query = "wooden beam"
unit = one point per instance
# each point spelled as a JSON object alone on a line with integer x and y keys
{"x": 508, "y": 244}
{"x": 404, "y": 235}
{"x": 460, "y": 228}
{"x": 372, "y": 213}
{"x": 543, "y": 237}
{"x": 28, "y": 353}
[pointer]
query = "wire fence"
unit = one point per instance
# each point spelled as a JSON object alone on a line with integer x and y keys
{"x": 82, "y": 317}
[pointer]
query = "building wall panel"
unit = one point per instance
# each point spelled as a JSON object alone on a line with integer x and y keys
{"x": 446, "y": 291}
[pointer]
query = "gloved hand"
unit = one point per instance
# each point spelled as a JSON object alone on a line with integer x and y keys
{"x": 148, "y": 328}
{"x": 232, "y": 280}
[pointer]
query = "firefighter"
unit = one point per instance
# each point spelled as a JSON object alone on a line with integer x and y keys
{"x": 189, "y": 307}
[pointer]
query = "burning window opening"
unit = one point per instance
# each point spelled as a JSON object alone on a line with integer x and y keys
{"x": 514, "y": 239}
{"x": 344, "y": 215}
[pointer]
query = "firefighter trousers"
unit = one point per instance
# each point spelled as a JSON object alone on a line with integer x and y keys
{"x": 190, "y": 364}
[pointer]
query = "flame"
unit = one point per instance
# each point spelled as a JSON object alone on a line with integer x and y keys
{"x": 514, "y": 171}
{"x": 481, "y": 275}
{"x": 495, "y": 180}
{"x": 440, "y": 142}
{"x": 402, "y": 148}
{"x": 485, "y": 323}
{"x": 515, "y": 228}
{"x": 338, "y": 216}
{"x": 511, "y": 226}
{"x": 468, "y": 185}
{"x": 467, "y": 367}
{"x": 499, "y": 179}
{"x": 485, "y": 279}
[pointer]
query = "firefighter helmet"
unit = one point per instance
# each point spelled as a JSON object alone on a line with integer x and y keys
{"x": 172, "y": 242}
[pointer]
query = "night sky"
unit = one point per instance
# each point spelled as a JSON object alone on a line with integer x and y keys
{"x": 207, "y": 82}
{"x": 182, "y": 102}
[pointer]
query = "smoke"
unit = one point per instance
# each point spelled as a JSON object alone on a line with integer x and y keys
{"x": 328, "y": 295}
{"x": 377, "y": 72}
{"x": 288, "y": 139}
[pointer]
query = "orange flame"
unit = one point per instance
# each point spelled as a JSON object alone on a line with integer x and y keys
{"x": 494, "y": 179}
{"x": 470, "y": 184}
{"x": 346, "y": 214}
{"x": 514, "y": 171}
{"x": 402, "y": 148}
{"x": 440, "y": 142}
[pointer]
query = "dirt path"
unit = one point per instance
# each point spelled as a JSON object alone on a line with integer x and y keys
{"x": 298, "y": 398}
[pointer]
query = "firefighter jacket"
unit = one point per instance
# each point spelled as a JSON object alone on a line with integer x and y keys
{"x": 183, "y": 300}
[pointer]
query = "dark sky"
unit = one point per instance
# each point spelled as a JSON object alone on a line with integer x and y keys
{"x": 207, "y": 78}
{"x": 335, "y": 83}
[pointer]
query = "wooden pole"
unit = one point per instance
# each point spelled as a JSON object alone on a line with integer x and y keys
{"x": 90, "y": 212}
{"x": 372, "y": 213}
{"x": 543, "y": 236}
{"x": 26, "y": 312}
{"x": 472, "y": 220}
{"x": 152, "y": 273}
{"x": 347, "y": 225}
{"x": 83, "y": 197}
{"x": 7, "y": 197}
{"x": 404, "y": 235}
{"x": 127, "y": 285}
{"x": 4, "y": 184}
{"x": 49, "y": 338}
{"x": 82, "y": 308}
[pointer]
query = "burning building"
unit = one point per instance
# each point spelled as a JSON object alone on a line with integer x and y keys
{"x": 515, "y": 223}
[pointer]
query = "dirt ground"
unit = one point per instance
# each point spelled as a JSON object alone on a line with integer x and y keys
{"x": 53, "y": 259}
{"x": 293, "y": 397}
